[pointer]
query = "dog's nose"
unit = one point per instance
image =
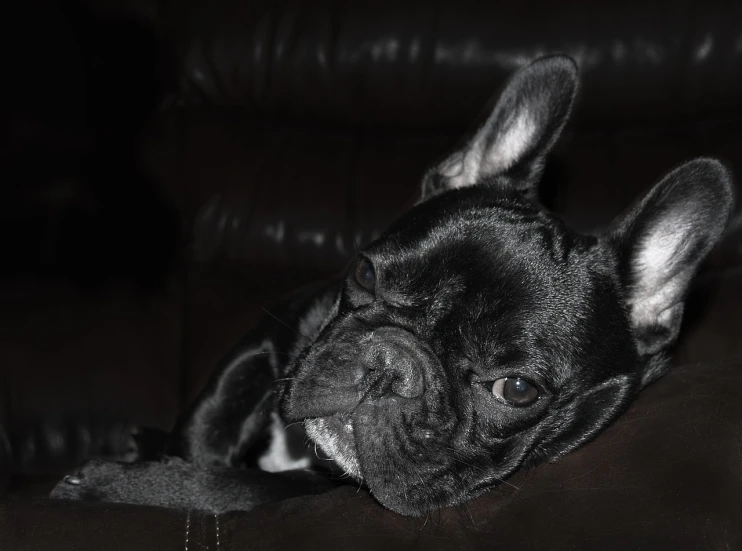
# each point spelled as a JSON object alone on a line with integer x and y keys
{"x": 398, "y": 368}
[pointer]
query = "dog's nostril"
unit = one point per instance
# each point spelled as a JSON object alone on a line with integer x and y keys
{"x": 382, "y": 360}
{"x": 407, "y": 375}
{"x": 72, "y": 480}
{"x": 408, "y": 385}
{"x": 396, "y": 368}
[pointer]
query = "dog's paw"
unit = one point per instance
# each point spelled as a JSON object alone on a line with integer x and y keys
{"x": 95, "y": 481}
{"x": 143, "y": 483}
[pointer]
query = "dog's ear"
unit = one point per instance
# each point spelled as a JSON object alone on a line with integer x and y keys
{"x": 523, "y": 126}
{"x": 662, "y": 241}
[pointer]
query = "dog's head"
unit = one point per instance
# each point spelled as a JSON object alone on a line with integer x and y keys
{"x": 479, "y": 333}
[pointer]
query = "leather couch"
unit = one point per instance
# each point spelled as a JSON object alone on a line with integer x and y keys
{"x": 170, "y": 169}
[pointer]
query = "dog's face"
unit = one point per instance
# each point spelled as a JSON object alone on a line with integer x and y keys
{"x": 479, "y": 333}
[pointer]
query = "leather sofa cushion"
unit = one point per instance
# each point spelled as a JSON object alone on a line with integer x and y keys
{"x": 666, "y": 476}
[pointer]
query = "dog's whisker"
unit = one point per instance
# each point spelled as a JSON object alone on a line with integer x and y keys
{"x": 315, "y": 451}
{"x": 283, "y": 380}
{"x": 292, "y": 424}
{"x": 279, "y": 320}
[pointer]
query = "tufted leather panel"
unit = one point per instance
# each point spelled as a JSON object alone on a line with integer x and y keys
{"x": 423, "y": 65}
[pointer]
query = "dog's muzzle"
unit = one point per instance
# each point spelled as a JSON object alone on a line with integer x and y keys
{"x": 387, "y": 362}
{"x": 392, "y": 362}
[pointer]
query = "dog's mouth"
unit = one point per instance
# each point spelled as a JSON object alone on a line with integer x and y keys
{"x": 402, "y": 467}
{"x": 335, "y": 436}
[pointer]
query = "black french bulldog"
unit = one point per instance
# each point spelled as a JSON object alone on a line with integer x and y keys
{"x": 478, "y": 335}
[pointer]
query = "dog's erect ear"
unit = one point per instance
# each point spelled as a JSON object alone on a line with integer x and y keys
{"x": 662, "y": 241}
{"x": 523, "y": 126}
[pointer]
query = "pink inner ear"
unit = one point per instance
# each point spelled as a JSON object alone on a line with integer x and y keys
{"x": 454, "y": 166}
{"x": 657, "y": 254}
{"x": 523, "y": 126}
{"x": 507, "y": 148}
{"x": 511, "y": 144}
{"x": 463, "y": 169}
{"x": 659, "y": 274}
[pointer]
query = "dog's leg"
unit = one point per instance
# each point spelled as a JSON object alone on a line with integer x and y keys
{"x": 234, "y": 408}
{"x": 229, "y": 414}
{"x": 239, "y": 402}
{"x": 178, "y": 484}
{"x": 212, "y": 437}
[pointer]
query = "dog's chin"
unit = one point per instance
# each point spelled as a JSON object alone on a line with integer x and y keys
{"x": 400, "y": 483}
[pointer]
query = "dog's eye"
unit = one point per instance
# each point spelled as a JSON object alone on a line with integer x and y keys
{"x": 515, "y": 391}
{"x": 365, "y": 275}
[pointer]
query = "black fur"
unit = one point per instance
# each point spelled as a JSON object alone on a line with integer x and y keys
{"x": 397, "y": 372}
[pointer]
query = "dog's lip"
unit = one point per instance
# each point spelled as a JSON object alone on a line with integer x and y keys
{"x": 347, "y": 420}
{"x": 340, "y": 422}
{"x": 335, "y": 442}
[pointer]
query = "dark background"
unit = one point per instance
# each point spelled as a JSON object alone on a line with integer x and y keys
{"x": 168, "y": 169}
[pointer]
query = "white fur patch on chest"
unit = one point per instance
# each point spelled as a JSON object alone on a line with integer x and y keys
{"x": 286, "y": 451}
